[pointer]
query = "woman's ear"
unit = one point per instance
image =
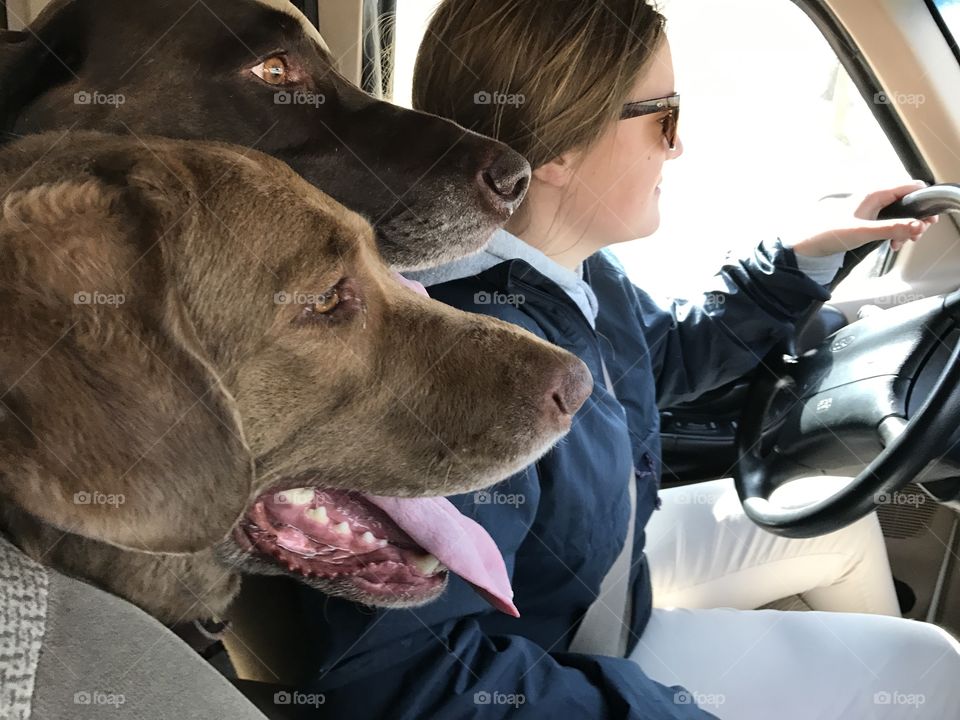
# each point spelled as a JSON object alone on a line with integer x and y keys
{"x": 559, "y": 171}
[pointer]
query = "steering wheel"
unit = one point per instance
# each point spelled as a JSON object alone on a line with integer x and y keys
{"x": 883, "y": 392}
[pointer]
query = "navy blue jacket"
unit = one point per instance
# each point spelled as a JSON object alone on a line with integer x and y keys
{"x": 562, "y": 522}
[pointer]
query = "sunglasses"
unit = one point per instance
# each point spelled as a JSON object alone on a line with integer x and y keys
{"x": 669, "y": 104}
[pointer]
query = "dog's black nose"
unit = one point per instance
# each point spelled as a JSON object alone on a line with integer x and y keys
{"x": 504, "y": 181}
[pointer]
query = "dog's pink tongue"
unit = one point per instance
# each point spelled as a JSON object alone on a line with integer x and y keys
{"x": 456, "y": 541}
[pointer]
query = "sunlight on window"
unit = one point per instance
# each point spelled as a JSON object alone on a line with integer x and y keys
{"x": 412, "y": 18}
{"x": 950, "y": 12}
{"x": 770, "y": 122}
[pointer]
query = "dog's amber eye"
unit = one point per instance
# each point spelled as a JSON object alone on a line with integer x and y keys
{"x": 324, "y": 305}
{"x": 338, "y": 305}
{"x": 273, "y": 71}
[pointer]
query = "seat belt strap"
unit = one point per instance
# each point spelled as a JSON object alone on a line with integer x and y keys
{"x": 605, "y": 628}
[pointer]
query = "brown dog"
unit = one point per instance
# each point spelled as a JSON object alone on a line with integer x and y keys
{"x": 256, "y": 73}
{"x": 206, "y": 368}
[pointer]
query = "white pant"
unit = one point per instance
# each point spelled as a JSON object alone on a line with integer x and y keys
{"x": 710, "y": 566}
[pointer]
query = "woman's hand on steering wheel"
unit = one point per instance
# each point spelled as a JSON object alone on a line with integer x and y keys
{"x": 846, "y": 221}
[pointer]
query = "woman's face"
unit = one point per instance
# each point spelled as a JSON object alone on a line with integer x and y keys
{"x": 614, "y": 192}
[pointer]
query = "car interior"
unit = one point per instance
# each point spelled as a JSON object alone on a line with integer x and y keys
{"x": 868, "y": 390}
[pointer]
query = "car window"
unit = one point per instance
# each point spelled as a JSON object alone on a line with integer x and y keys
{"x": 411, "y": 22}
{"x": 950, "y": 12}
{"x": 770, "y": 122}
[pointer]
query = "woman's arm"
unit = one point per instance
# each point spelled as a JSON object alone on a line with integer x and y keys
{"x": 703, "y": 342}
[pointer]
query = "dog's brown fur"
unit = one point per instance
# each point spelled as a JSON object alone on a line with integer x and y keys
{"x": 200, "y": 391}
{"x": 433, "y": 190}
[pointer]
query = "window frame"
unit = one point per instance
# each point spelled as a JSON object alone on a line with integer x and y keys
{"x": 944, "y": 28}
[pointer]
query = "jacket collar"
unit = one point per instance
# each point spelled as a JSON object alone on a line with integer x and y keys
{"x": 505, "y": 246}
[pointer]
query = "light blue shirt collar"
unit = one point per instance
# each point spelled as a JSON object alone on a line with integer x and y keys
{"x": 505, "y": 246}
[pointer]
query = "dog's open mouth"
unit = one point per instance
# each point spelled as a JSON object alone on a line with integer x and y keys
{"x": 392, "y": 549}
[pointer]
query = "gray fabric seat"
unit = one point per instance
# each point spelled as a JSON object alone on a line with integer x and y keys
{"x": 70, "y": 650}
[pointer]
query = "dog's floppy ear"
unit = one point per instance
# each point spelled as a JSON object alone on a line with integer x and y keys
{"x": 113, "y": 424}
{"x": 35, "y": 60}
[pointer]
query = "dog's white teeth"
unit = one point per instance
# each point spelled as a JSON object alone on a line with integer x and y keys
{"x": 427, "y": 564}
{"x": 342, "y": 529}
{"x": 318, "y": 514}
{"x": 295, "y": 496}
{"x": 370, "y": 539}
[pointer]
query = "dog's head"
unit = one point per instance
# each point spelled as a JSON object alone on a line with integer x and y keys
{"x": 257, "y": 74}
{"x": 202, "y": 354}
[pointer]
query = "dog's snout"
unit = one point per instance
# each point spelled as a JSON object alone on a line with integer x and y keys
{"x": 504, "y": 181}
{"x": 570, "y": 388}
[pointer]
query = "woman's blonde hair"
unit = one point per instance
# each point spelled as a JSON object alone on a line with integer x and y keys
{"x": 543, "y": 76}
